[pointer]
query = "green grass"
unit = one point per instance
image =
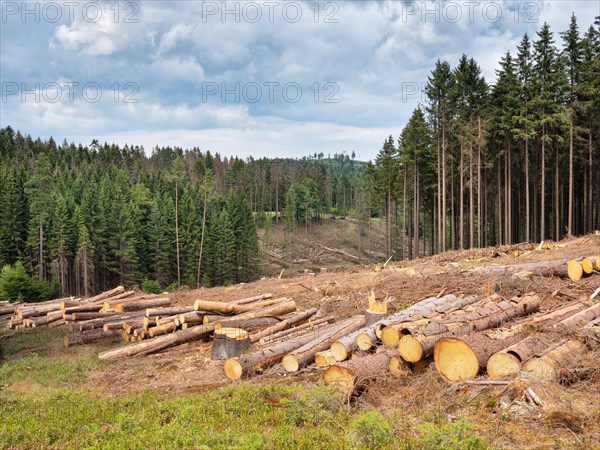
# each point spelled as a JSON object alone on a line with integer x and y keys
{"x": 46, "y": 403}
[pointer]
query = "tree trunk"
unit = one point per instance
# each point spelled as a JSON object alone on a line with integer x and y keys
{"x": 543, "y": 187}
{"x": 202, "y": 237}
{"x": 177, "y": 232}
{"x": 479, "y": 207}
{"x": 461, "y": 193}
{"x": 570, "y": 212}
{"x": 229, "y": 343}
{"x": 471, "y": 199}
{"x": 527, "y": 200}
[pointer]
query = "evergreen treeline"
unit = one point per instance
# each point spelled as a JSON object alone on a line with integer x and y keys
{"x": 93, "y": 217}
{"x": 497, "y": 164}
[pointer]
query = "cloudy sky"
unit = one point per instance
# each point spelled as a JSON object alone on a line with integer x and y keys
{"x": 264, "y": 78}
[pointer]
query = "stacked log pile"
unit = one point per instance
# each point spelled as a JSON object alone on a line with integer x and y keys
{"x": 463, "y": 335}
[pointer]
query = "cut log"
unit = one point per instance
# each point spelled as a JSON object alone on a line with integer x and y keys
{"x": 428, "y": 307}
{"x": 99, "y": 323}
{"x": 562, "y": 268}
{"x": 324, "y": 358}
{"x": 159, "y": 343}
{"x": 163, "y": 320}
{"x": 296, "y": 331}
{"x": 390, "y": 335}
{"x": 508, "y": 361}
{"x": 168, "y": 311}
{"x": 229, "y": 308}
{"x": 83, "y": 307}
{"x": 254, "y": 362}
{"x": 253, "y": 325}
{"x": 587, "y": 266}
{"x": 142, "y": 304}
{"x": 547, "y": 365}
{"x": 350, "y": 377}
{"x": 276, "y": 310}
{"x": 165, "y": 328}
{"x": 108, "y": 305}
{"x": 81, "y": 316}
{"x": 283, "y": 325}
{"x": 588, "y": 314}
{"x": 304, "y": 355}
{"x": 47, "y": 319}
{"x": 100, "y": 297}
{"x": 229, "y": 342}
{"x": 90, "y": 336}
{"x": 256, "y": 298}
{"x": 415, "y": 345}
{"x": 462, "y": 359}
{"x": 194, "y": 317}
{"x": 556, "y": 315}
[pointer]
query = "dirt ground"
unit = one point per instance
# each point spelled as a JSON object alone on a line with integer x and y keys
{"x": 571, "y": 410}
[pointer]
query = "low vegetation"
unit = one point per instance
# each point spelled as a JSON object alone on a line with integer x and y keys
{"x": 48, "y": 402}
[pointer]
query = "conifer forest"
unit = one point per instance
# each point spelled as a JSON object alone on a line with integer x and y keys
{"x": 479, "y": 163}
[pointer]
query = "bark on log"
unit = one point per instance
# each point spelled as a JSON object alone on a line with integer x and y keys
{"x": 462, "y": 359}
{"x": 257, "y": 361}
{"x": 428, "y": 307}
{"x": 350, "y": 377}
{"x": 587, "y": 315}
{"x": 159, "y": 343}
{"x": 424, "y": 315}
{"x": 229, "y": 343}
{"x": 229, "y": 308}
{"x": 304, "y": 355}
{"x": 254, "y": 325}
{"x": 90, "y": 336}
{"x": 276, "y": 310}
{"x": 547, "y": 365}
{"x": 47, "y": 319}
{"x": 283, "y": 325}
{"x": 562, "y": 268}
{"x": 99, "y": 323}
{"x": 194, "y": 317}
{"x": 104, "y": 295}
{"x": 111, "y": 302}
{"x": 295, "y": 331}
{"x": 165, "y": 328}
{"x": 142, "y": 304}
{"x": 168, "y": 311}
{"x": 256, "y": 298}
{"x": 84, "y": 307}
{"x": 419, "y": 344}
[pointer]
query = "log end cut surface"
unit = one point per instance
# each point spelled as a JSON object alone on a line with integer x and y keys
{"x": 233, "y": 369}
{"x": 455, "y": 360}
{"x": 502, "y": 365}
{"x": 574, "y": 270}
{"x": 390, "y": 337}
{"x": 290, "y": 363}
{"x": 410, "y": 348}
{"x": 339, "y": 352}
{"x": 364, "y": 342}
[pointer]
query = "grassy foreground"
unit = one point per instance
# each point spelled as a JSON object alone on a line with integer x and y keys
{"x": 45, "y": 402}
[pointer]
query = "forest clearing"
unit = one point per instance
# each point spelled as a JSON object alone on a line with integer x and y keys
{"x": 382, "y": 397}
{"x": 340, "y": 225}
